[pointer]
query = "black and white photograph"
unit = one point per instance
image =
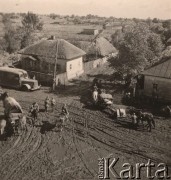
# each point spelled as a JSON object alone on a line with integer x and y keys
{"x": 85, "y": 89}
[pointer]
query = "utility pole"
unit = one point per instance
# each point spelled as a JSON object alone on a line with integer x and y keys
{"x": 56, "y": 59}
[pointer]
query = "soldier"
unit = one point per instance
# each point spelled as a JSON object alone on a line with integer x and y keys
{"x": 134, "y": 120}
{"x": 65, "y": 111}
{"x": 53, "y": 102}
{"x": 47, "y": 102}
{"x": 34, "y": 110}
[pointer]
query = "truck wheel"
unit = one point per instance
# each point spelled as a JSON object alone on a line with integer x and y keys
{"x": 25, "y": 88}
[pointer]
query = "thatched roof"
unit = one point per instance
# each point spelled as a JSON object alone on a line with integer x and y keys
{"x": 48, "y": 49}
{"x": 160, "y": 69}
{"x": 101, "y": 46}
{"x": 104, "y": 47}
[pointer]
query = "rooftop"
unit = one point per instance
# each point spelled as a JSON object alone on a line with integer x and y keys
{"x": 51, "y": 48}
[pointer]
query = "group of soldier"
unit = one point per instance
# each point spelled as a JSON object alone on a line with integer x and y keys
{"x": 34, "y": 109}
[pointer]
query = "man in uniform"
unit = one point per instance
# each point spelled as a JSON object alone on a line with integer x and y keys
{"x": 34, "y": 110}
{"x": 53, "y": 102}
{"x": 65, "y": 111}
{"x": 47, "y": 102}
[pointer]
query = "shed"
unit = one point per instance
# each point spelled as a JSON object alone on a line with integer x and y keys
{"x": 158, "y": 78}
{"x": 91, "y": 31}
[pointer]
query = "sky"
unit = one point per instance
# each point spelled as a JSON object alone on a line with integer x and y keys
{"x": 117, "y": 8}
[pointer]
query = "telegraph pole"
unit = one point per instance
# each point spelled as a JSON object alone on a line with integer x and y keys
{"x": 54, "y": 73}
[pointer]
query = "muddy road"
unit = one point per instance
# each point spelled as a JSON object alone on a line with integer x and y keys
{"x": 73, "y": 153}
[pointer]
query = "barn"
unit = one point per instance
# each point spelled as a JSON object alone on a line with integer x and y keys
{"x": 39, "y": 59}
{"x": 158, "y": 78}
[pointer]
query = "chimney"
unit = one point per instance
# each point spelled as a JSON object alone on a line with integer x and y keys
{"x": 52, "y": 37}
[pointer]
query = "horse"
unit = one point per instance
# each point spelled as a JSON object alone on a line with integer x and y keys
{"x": 146, "y": 117}
{"x": 10, "y": 105}
{"x": 13, "y": 112}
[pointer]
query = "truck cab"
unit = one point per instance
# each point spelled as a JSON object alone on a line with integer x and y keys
{"x": 17, "y": 79}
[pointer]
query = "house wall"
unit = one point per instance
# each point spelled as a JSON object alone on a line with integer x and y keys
{"x": 37, "y": 65}
{"x": 95, "y": 63}
{"x": 74, "y": 68}
{"x": 44, "y": 70}
{"x": 43, "y": 66}
{"x": 164, "y": 87}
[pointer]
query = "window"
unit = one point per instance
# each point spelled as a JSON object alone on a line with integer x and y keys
{"x": 12, "y": 77}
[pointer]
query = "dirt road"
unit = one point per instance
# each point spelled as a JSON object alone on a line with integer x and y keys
{"x": 74, "y": 152}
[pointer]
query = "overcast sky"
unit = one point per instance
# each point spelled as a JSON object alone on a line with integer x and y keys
{"x": 117, "y": 8}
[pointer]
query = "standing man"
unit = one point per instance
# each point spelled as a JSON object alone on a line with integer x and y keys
{"x": 53, "y": 103}
{"x": 47, "y": 102}
{"x": 34, "y": 110}
{"x": 65, "y": 111}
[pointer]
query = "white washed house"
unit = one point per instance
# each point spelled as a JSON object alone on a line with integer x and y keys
{"x": 40, "y": 58}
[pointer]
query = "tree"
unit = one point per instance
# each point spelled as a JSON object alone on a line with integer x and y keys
{"x": 157, "y": 28}
{"x": 12, "y": 38}
{"x": 167, "y": 24}
{"x": 6, "y": 20}
{"x": 27, "y": 39}
{"x": 16, "y": 38}
{"x": 139, "y": 47}
{"x": 149, "y": 21}
{"x": 31, "y": 22}
{"x": 117, "y": 37}
{"x": 155, "y": 20}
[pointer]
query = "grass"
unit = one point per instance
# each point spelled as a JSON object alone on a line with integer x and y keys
{"x": 68, "y": 32}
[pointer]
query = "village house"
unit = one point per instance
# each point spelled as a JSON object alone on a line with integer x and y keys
{"x": 39, "y": 60}
{"x": 90, "y": 31}
{"x": 158, "y": 78}
{"x": 100, "y": 48}
{"x": 103, "y": 48}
